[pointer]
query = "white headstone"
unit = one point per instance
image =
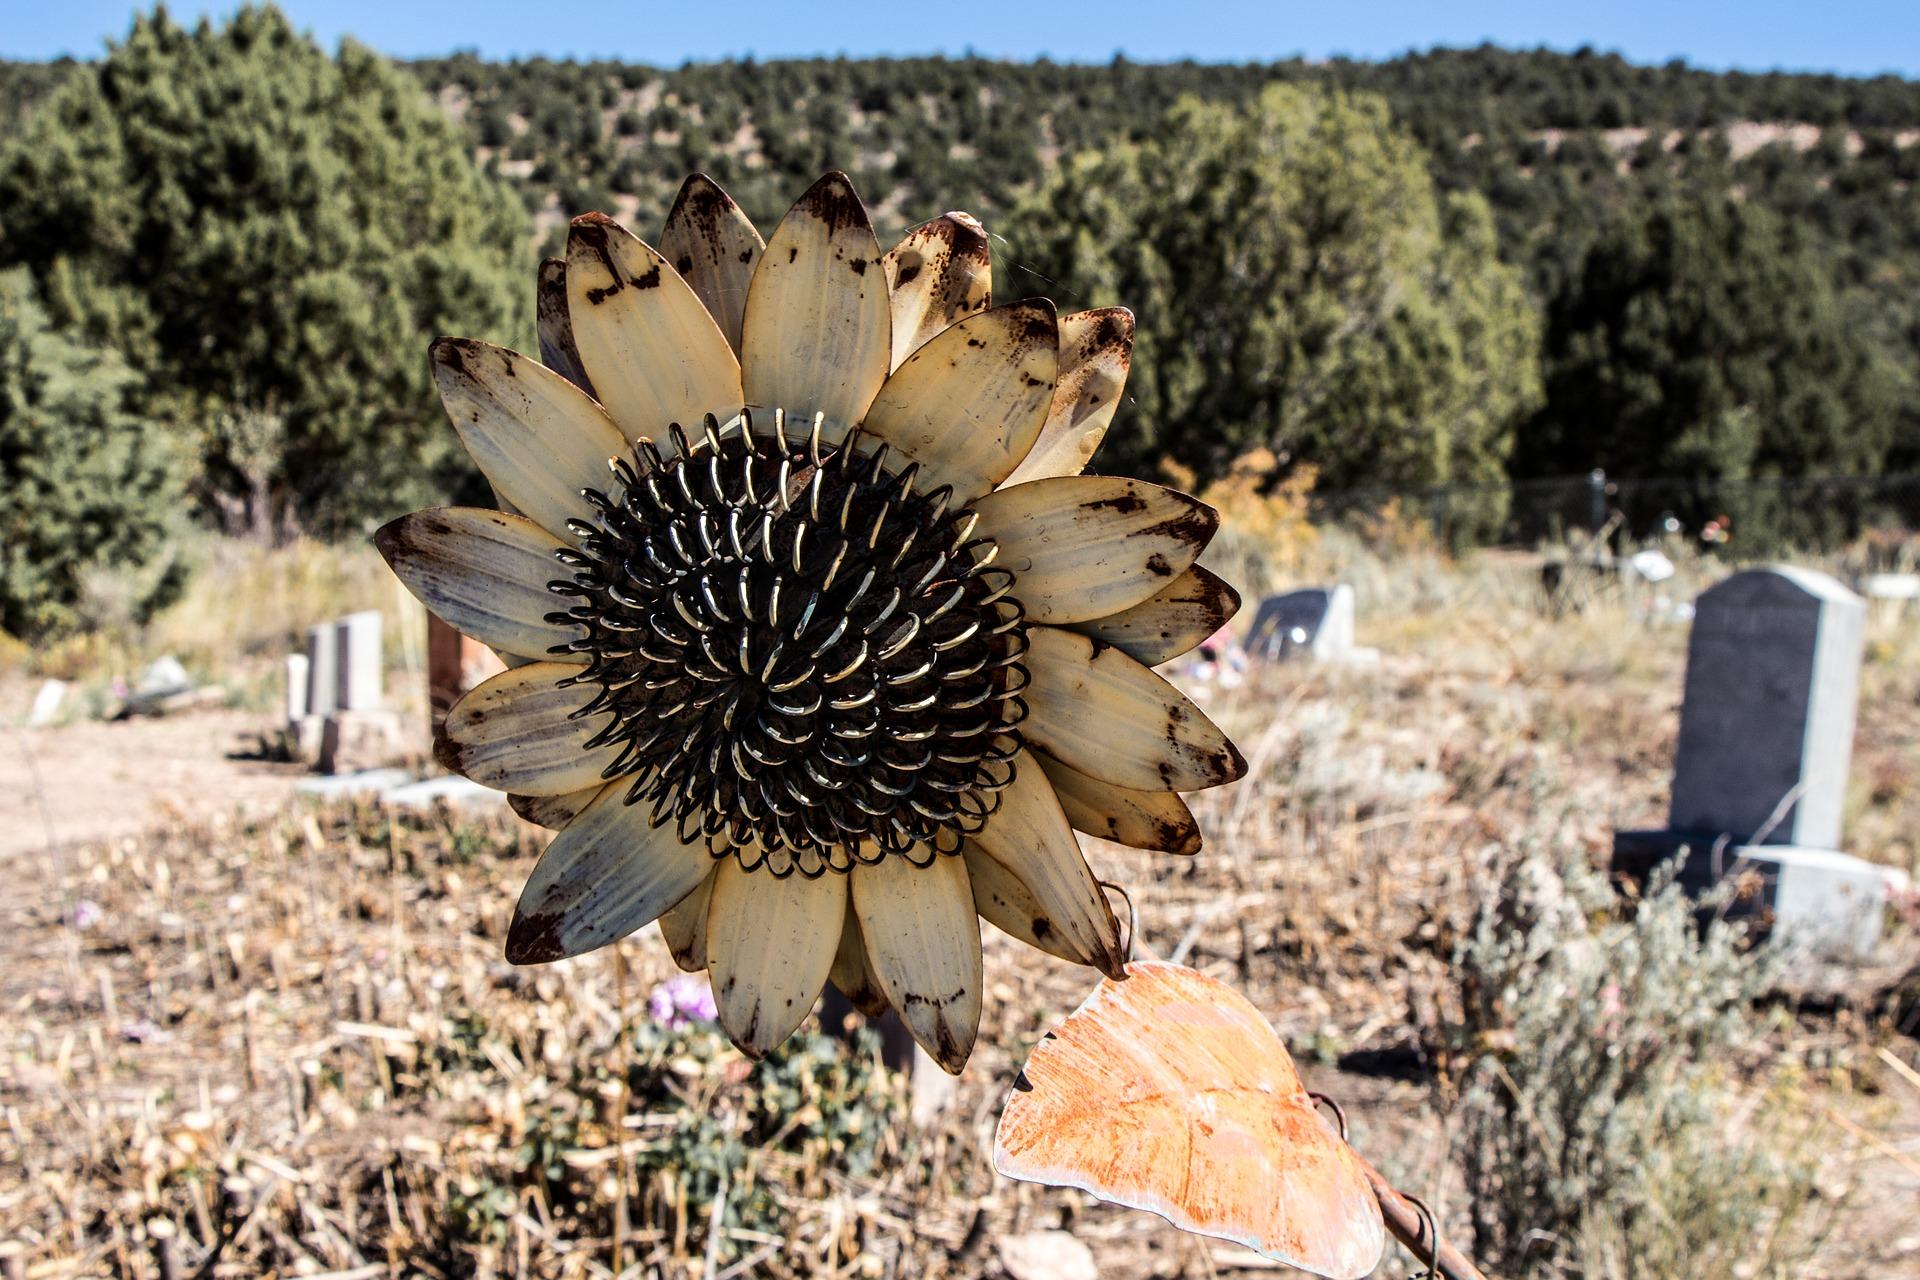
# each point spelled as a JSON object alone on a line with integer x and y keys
{"x": 360, "y": 661}
{"x": 1766, "y": 726}
{"x": 296, "y": 687}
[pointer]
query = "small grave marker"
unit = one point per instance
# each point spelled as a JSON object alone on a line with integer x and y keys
{"x": 1314, "y": 621}
{"x": 297, "y": 667}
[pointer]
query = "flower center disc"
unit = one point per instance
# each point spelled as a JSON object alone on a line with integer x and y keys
{"x": 808, "y": 661}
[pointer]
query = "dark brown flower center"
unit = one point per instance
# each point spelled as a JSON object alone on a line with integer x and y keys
{"x": 808, "y": 662}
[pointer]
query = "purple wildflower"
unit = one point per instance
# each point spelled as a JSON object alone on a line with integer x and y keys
{"x": 681, "y": 1001}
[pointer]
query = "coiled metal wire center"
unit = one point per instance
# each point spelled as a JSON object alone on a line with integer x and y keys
{"x": 807, "y": 661}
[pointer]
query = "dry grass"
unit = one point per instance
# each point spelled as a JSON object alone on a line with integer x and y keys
{"x": 245, "y": 605}
{"x": 332, "y": 1071}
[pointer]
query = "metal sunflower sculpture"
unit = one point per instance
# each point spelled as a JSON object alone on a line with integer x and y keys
{"x": 827, "y": 646}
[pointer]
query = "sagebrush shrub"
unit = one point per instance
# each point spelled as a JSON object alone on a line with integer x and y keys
{"x": 1597, "y": 1050}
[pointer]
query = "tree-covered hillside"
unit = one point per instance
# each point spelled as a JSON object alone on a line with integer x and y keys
{"x": 1445, "y": 269}
{"x": 1566, "y": 149}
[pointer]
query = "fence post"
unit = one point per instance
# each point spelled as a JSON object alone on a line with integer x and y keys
{"x": 1597, "y": 500}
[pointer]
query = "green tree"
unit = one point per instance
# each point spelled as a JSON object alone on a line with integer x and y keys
{"x": 1702, "y": 339}
{"x": 1300, "y": 285}
{"x": 82, "y": 486}
{"x": 268, "y": 234}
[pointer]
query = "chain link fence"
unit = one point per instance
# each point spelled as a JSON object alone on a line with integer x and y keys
{"x": 1764, "y": 516}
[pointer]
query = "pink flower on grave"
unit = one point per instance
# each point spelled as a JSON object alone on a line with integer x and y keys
{"x": 86, "y": 914}
{"x": 1612, "y": 1009}
{"x": 681, "y": 1001}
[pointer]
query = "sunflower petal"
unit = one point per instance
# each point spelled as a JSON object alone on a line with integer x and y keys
{"x": 923, "y": 942}
{"x": 1083, "y": 547}
{"x": 1009, "y": 906}
{"x": 770, "y": 941}
{"x": 1029, "y": 837}
{"x": 852, "y": 975}
{"x": 484, "y": 572}
{"x": 1096, "y": 349}
{"x": 654, "y": 353}
{"x": 557, "y": 350}
{"x": 968, "y": 405}
{"x": 817, "y": 330}
{"x": 1137, "y": 819}
{"x": 1172, "y": 622}
{"x": 537, "y": 438}
{"x": 553, "y": 812}
{"x": 940, "y": 273}
{"x": 1097, "y": 711}
{"x": 684, "y": 926}
{"x": 610, "y": 872}
{"x": 518, "y": 732}
{"x": 713, "y": 245}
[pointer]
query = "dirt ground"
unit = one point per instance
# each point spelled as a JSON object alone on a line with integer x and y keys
{"x": 259, "y": 988}
{"x": 91, "y": 780}
{"x": 308, "y": 1006}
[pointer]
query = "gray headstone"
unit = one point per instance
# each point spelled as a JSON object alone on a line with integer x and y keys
{"x": 360, "y": 660}
{"x": 323, "y": 670}
{"x": 1773, "y": 670}
{"x": 1315, "y": 622}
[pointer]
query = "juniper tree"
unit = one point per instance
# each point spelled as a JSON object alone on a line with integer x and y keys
{"x": 82, "y": 485}
{"x": 1703, "y": 338}
{"x": 261, "y": 228}
{"x": 1300, "y": 285}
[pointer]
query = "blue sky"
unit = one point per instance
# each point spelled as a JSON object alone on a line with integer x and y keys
{"x": 1853, "y": 36}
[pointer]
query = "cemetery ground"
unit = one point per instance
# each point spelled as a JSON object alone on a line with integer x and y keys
{"x": 283, "y": 1033}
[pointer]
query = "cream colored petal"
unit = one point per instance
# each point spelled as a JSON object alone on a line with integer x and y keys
{"x": 607, "y": 874}
{"x": 654, "y": 353}
{"x": 557, "y": 350}
{"x": 684, "y": 926}
{"x": 940, "y": 273}
{"x": 518, "y": 732}
{"x": 817, "y": 330}
{"x": 1137, "y": 819}
{"x": 1083, "y": 547}
{"x": 1029, "y": 836}
{"x": 771, "y": 941}
{"x": 968, "y": 405}
{"x": 923, "y": 942}
{"x": 852, "y": 975}
{"x": 485, "y": 573}
{"x": 1010, "y": 906}
{"x": 714, "y": 247}
{"x": 1096, "y": 349}
{"x": 553, "y": 812}
{"x": 1171, "y": 622}
{"x": 537, "y": 438}
{"x": 1096, "y": 710}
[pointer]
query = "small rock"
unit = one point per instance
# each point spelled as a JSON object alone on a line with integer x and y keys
{"x": 162, "y": 677}
{"x": 1047, "y": 1255}
{"x": 46, "y": 703}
